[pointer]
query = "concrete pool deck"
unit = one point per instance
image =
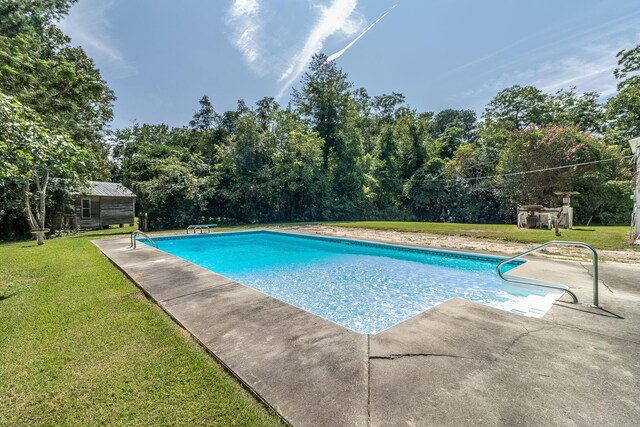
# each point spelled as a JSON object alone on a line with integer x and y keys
{"x": 459, "y": 363}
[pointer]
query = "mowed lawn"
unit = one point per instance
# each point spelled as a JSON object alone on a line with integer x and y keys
{"x": 601, "y": 237}
{"x": 81, "y": 345}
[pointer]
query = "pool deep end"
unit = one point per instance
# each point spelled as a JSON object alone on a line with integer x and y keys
{"x": 364, "y": 286}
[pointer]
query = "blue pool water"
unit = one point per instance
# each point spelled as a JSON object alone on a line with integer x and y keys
{"x": 363, "y": 286}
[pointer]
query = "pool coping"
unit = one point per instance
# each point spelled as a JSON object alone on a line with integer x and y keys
{"x": 308, "y": 369}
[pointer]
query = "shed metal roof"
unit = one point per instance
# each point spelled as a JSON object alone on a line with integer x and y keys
{"x": 107, "y": 189}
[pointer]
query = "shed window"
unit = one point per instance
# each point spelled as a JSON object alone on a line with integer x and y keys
{"x": 86, "y": 208}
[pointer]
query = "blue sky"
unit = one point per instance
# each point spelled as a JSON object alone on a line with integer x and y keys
{"x": 161, "y": 56}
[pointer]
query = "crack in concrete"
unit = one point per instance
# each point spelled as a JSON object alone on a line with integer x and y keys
{"x": 518, "y": 338}
{"x": 402, "y": 355}
{"x": 599, "y": 279}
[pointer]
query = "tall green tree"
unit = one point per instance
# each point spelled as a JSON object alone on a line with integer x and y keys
{"x": 465, "y": 120}
{"x": 266, "y": 110}
{"x": 386, "y": 106}
{"x": 623, "y": 109}
{"x": 58, "y": 83}
{"x": 30, "y": 155}
{"x": 412, "y": 137}
{"x": 628, "y": 67}
{"x": 171, "y": 179}
{"x": 324, "y": 100}
{"x": 64, "y": 87}
{"x": 301, "y": 186}
{"x": 387, "y": 171}
{"x": 583, "y": 111}
{"x": 30, "y": 16}
{"x": 206, "y": 117}
{"x": 517, "y": 107}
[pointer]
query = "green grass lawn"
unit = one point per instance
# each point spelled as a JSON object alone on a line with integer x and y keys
{"x": 81, "y": 345}
{"x": 601, "y": 237}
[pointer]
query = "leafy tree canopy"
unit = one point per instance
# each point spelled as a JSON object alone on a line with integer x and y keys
{"x": 628, "y": 67}
{"x": 623, "y": 109}
{"x": 30, "y": 16}
{"x": 62, "y": 86}
{"x": 206, "y": 117}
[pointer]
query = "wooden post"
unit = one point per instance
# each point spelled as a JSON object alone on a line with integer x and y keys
{"x": 558, "y": 221}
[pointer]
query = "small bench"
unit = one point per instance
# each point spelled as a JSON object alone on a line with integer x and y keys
{"x": 40, "y": 230}
{"x": 201, "y": 227}
{"x": 39, "y": 234}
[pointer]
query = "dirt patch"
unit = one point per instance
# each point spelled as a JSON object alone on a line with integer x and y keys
{"x": 458, "y": 242}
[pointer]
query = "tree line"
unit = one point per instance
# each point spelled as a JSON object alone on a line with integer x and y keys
{"x": 337, "y": 153}
{"x": 334, "y": 152}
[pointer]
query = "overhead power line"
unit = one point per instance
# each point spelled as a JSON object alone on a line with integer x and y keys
{"x": 518, "y": 173}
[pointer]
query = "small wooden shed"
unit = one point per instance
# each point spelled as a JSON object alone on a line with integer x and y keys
{"x": 103, "y": 204}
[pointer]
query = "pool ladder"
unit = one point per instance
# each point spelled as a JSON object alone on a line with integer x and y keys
{"x": 143, "y": 234}
{"x": 200, "y": 227}
{"x": 594, "y": 263}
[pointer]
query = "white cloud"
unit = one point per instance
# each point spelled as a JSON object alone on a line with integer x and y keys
{"x": 244, "y": 19}
{"x": 337, "y": 18}
{"x": 594, "y": 74}
{"x": 565, "y": 40}
{"x": 589, "y": 68}
{"x": 585, "y": 60}
{"x": 88, "y": 25}
{"x": 253, "y": 34}
{"x": 341, "y": 52}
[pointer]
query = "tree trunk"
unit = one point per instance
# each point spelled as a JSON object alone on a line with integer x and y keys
{"x": 36, "y": 222}
{"x": 559, "y": 218}
{"x": 27, "y": 206}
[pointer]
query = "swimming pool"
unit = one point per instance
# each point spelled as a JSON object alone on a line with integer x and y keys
{"x": 364, "y": 286}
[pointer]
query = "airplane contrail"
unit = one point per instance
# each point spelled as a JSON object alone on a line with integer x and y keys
{"x": 339, "y": 53}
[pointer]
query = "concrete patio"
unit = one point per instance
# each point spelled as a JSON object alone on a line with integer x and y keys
{"x": 459, "y": 363}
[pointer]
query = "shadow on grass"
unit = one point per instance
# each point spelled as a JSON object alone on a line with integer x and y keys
{"x": 6, "y": 296}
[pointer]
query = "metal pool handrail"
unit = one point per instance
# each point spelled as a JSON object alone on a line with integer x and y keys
{"x": 200, "y": 227}
{"x": 145, "y": 235}
{"x": 594, "y": 262}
